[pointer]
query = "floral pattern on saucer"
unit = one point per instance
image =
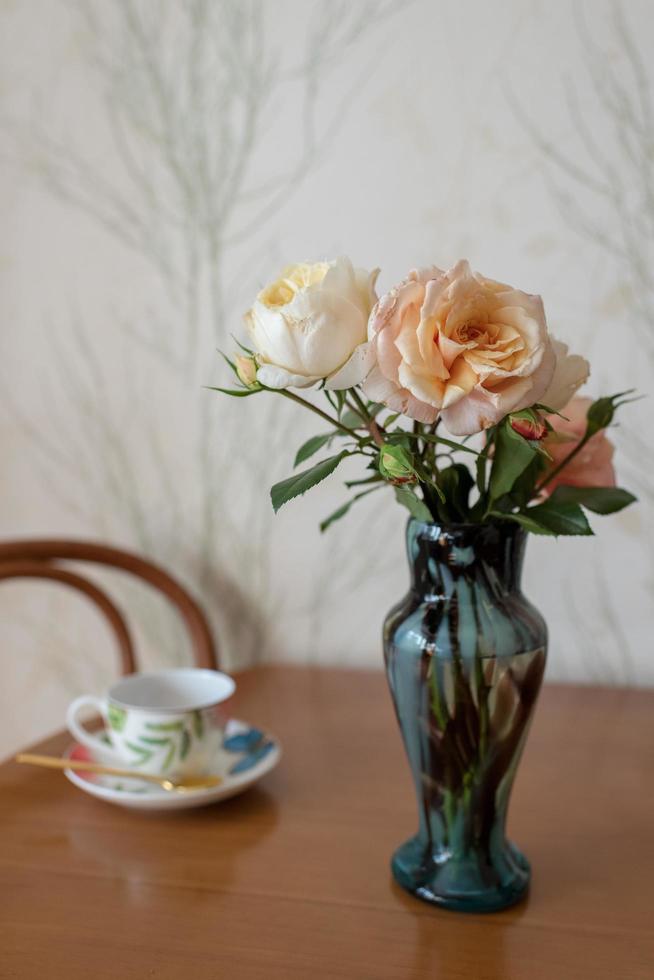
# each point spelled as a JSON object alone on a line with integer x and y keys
{"x": 253, "y": 742}
{"x": 245, "y": 755}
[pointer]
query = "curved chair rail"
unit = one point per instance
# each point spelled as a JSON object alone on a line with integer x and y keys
{"x": 116, "y": 620}
{"x": 45, "y": 552}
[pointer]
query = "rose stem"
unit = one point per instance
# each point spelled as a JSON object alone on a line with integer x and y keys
{"x": 319, "y": 411}
{"x": 373, "y": 428}
{"x": 417, "y": 431}
{"x": 557, "y": 469}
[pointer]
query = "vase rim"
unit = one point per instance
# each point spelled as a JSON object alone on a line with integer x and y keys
{"x": 464, "y": 526}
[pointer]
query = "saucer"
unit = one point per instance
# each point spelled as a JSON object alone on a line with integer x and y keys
{"x": 245, "y": 756}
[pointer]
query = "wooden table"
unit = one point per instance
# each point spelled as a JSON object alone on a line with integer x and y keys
{"x": 291, "y": 880}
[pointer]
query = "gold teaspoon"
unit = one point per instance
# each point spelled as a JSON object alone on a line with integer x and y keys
{"x": 171, "y": 785}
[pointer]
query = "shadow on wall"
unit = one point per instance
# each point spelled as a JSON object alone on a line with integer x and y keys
{"x": 182, "y": 97}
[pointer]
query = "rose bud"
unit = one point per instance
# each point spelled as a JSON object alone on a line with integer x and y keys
{"x": 529, "y": 427}
{"x": 396, "y": 465}
{"x": 593, "y": 465}
{"x": 246, "y": 369}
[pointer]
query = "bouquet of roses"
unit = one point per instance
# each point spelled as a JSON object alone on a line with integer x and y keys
{"x": 442, "y": 349}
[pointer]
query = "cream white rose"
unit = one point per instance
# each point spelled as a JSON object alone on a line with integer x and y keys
{"x": 311, "y": 324}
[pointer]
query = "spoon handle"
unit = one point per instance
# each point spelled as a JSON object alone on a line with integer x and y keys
{"x": 51, "y": 762}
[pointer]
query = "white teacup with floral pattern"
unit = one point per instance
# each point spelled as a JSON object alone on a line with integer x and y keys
{"x": 164, "y": 722}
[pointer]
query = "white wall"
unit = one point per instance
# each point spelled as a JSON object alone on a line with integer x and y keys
{"x": 162, "y": 161}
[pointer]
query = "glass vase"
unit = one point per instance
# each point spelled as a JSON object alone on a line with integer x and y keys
{"x": 465, "y": 654}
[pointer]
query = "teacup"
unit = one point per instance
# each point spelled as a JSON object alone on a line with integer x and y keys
{"x": 162, "y": 722}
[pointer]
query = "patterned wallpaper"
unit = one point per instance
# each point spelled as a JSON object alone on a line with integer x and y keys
{"x": 162, "y": 161}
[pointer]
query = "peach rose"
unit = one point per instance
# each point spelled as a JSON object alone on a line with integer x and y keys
{"x": 592, "y": 466}
{"x": 458, "y": 345}
{"x": 570, "y": 373}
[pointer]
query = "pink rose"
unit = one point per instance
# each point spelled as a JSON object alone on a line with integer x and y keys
{"x": 592, "y": 466}
{"x": 458, "y": 345}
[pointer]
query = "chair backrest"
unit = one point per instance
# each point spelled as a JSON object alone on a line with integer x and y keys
{"x": 42, "y": 559}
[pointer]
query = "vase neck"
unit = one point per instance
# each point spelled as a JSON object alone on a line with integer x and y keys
{"x": 440, "y": 555}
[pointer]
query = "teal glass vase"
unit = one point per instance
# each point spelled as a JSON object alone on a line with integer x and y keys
{"x": 465, "y": 654}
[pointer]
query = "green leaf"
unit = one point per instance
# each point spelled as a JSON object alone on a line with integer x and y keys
{"x": 426, "y": 478}
{"x": 456, "y": 483}
{"x": 550, "y": 411}
{"x": 561, "y": 518}
{"x": 439, "y": 440}
{"x": 480, "y": 472}
{"x": 344, "y": 508}
{"x": 601, "y": 500}
{"x": 414, "y": 505}
{"x": 512, "y": 456}
{"x": 527, "y": 522}
{"x": 352, "y": 420}
{"x": 228, "y": 361}
{"x": 523, "y": 488}
{"x": 245, "y": 349}
{"x": 185, "y": 744}
{"x": 335, "y": 516}
{"x": 296, "y": 485}
{"x": 310, "y": 447}
{"x": 552, "y": 518}
{"x": 375, "y": 478}
{"x": 400, "y": 438}
{"x": 330, "y": 398}
{"x": 340, "y": 397}
{"x": 236, "y": 392}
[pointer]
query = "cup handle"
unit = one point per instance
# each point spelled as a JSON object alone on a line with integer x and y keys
{"x": 79, "y": 733}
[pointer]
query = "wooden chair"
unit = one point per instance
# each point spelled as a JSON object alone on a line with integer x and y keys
{"x": 43, "y": 559}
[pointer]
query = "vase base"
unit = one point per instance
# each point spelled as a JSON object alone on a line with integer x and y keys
{"x": 462, "y": 884}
